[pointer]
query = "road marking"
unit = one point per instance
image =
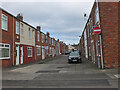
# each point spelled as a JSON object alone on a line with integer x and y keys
{"x": 117, "y": 75}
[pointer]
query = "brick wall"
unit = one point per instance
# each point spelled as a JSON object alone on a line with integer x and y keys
{"x": 7, "y": 37}
{"x": 109, "y": 25}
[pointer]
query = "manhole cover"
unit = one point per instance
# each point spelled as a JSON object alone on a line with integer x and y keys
{"x": 60, "y": 67}
{"x": 48, "y": 71}
{"x": 41, "y": 63}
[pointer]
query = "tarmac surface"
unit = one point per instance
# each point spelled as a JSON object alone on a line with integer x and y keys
{"x": 57, "y": 73}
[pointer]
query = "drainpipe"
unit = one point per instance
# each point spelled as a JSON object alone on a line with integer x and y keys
{"x": 100, "y": 38}
{"x": 13, "y": 40}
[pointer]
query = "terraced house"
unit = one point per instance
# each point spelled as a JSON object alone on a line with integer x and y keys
{"x": 104, "y": 51}
{"x": 22, "y": 43}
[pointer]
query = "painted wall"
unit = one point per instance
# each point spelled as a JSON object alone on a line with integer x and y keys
{"x": 24, "y": 39}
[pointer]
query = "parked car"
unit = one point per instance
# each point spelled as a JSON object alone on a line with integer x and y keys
{"x": 74, "y": 57}
{"x": 67, "y": 52}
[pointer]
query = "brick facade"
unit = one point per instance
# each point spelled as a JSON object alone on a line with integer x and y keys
{"x": 104, "y": 53}
{"x": 25, "y": 43}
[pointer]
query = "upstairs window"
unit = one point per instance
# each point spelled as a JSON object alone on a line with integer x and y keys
{"x": 38, "y": 36}
{"x": 17, "y": 27}
{"x": 46, "y": 38}
{"x": 96, "y": 15}
{"x": 4, "y": 22}
{"x": 29, "y": 33}
{"x": 21, "y": 29}
{"x": 43, "y": 39}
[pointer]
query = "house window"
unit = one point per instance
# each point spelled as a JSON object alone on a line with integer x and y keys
{"x": 50, "y": 52}
{"x": 43, "y": 39}
{"x": 29, "y": 33}
{"x": 49, "y": 40}
{"x": 17, "y": 27}
{"x": 4, "y": 51}
{"x": 4, "y": 22}
{"x": 46, "y": 39}
{"x": 38, "y": 50}
{"x": 21, "y": 29}
{"x": 52, "y": 41}
{"x": 38, "y": 36}
{"x": 29, "y": 51}
{"x": 96, "y": 15}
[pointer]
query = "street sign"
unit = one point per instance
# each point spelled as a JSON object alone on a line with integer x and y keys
{"x": 97, "y": 30}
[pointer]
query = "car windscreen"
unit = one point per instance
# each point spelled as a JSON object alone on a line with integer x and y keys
{"x": 74, "y": 54}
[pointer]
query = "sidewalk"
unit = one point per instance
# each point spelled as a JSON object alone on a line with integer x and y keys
{"x": 42, "y": 61}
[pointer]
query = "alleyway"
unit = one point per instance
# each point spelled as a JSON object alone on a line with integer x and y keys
{"x": 57, "y": 73}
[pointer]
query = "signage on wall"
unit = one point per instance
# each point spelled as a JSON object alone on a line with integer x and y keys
{"x": 97, "y": 30}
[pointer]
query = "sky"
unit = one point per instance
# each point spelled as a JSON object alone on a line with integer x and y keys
{"x": 63, "y": 19}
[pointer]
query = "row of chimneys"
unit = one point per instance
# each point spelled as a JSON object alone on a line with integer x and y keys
{"x": 20, "y": 17}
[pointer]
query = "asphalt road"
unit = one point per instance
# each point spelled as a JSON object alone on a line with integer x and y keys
{"x": 57, "y": 73}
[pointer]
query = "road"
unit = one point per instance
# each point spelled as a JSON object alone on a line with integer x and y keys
{"x": 57, "y": 73}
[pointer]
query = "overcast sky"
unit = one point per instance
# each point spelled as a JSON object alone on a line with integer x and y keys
{"x": 64, "y": 20}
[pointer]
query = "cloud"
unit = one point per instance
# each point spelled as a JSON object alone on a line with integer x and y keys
{"x": 64, "y": 20}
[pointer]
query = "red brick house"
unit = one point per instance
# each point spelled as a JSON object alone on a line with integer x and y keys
{"x": 38, "y": 48}
{"x": 6, "y": 42}
{"x": 21, "y": 43}
{"x": 104, "y": 52}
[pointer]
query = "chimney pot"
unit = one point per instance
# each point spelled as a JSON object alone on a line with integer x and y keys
{"x": 47, "y": 33}
{"x": 38, "y": 28}
{"x": 19, "y": 16}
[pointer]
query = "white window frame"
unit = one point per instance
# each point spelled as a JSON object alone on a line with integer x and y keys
{"x": 29, "y": 33}
{"x": 39, "y": 48}
{"x": 30, "y": 48}
{"x": 52, "y": 42}
{"x": 43, "y": 38}
{"x": 46, "y": 38}
{"x": 38, "y": 36}
{"x": 17, "y": 27}
{"x": 21, "y": 28}
{"x": 6, "y": 22}
{"x": 7, "y": 48}
{"x": 96, "y": 15}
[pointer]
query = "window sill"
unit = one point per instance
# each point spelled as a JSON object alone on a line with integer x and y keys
{"x": 4, "y": 29}
{"x": 29, "y": 56}
{"x": 5, "y": 58}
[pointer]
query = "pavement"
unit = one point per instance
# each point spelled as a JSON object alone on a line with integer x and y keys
{"x": 57, "y": 73}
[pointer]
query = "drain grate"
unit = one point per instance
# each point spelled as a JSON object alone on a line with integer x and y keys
{"x": 48, "y": 71}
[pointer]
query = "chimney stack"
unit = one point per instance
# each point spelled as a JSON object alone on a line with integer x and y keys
{"x": 58, "y": 40}
{"x": 38, "y": 28}
{"x": 20, "y": 16}
{"x": 47, "y": 33}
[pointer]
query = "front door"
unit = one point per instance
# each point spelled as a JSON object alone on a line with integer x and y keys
{"x": 21, "y": 54}
{"x": 17, "y": 55}
{"x": 43, "y": 53}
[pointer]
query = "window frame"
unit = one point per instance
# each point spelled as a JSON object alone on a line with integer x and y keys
{"x": 5, "y": 29}
{"x": 17, "y": 27}
{"x": 21, "y": 29}
{"x": 39, "y": 48}
{"x": 38, "y": 36}
{"x": 29, "y": 33}
{"x": 28, "y": 48}
{"x": 7, "y": 48}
